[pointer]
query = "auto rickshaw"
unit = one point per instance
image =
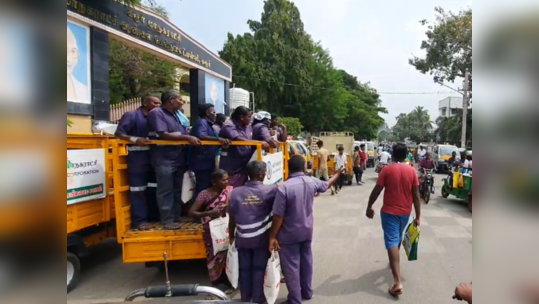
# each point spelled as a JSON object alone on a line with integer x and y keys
{"x": 460, "y": 186}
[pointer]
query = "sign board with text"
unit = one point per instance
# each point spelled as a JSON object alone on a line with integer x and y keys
{"x": 275, "y": 167}
{"x": 86, "y": 177}
{"x": 147, "y": 27}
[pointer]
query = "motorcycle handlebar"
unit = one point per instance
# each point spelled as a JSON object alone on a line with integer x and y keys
{"x": 176, "y": 291}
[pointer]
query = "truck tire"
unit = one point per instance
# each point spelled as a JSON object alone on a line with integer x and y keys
{"x": 73, "y": 271}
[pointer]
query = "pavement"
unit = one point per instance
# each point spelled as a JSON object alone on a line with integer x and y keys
{"x": 351, "y": 264}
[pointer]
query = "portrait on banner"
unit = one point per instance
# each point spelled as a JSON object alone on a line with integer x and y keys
{"x": 78, "y": 63}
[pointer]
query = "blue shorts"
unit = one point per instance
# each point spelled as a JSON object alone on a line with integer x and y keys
{"x": 394, "y": 226}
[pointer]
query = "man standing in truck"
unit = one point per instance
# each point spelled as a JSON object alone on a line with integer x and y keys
{"x": 170, "y": 161}
{"x": 133, "y": 127}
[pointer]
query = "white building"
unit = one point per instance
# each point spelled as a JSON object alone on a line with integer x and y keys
{"x": 450, "y": 106}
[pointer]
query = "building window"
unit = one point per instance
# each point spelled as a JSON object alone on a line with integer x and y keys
{"x": 454, "y": 112}
{"x": 444, "y": 112}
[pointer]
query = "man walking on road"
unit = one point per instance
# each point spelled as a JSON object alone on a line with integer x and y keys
{"x": 401, "y": 185}
{"x": 358, "y": 170}
{"x": 341, "y": 162}
{"x": 323, "y": 158}
{"x": 292, "y": 229}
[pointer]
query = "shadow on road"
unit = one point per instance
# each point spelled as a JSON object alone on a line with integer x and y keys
{"x": 375, "y": 283}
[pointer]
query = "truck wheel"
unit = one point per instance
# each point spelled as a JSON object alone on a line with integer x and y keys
{"x": 73, "y": 271}
{"x": 445, "y": 194}
{"x": 470, "y": 204}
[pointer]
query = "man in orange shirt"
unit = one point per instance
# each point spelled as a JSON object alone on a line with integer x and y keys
{"x": 401, "y": 185}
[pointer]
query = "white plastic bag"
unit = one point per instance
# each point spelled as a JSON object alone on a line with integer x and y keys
{"x": 219, "y": 234}
{"x": 188, "y": 186}
{"x": 233, "y": 266}
{"x": 272, "y": 280}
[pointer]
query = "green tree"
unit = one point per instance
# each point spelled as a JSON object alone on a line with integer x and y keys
{"x": 416, "y": 126}
{"x": 134, "y": 73}
{"x": 448, "y": 45}
{"x": 293, "y": 76}
{"x": 450, "y": 129}
{"x": 293, "y": 125}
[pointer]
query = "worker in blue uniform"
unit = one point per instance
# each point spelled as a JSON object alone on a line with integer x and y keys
{"x": 133, "y": 127}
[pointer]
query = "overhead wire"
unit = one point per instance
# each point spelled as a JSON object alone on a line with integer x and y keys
{"x": 333, "y": 89}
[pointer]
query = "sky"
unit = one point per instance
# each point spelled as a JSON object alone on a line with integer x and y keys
{"x": 372, "y": 40}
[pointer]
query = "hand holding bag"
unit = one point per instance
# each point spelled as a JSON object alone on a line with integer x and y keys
{"x": 272, "y": 280}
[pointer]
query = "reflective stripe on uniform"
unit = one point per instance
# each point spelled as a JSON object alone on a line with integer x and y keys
{"x": 137, "y": 148}
{"x": 152, "y": 185}
{"x": 255, "y": 225}
{"x": 138, "y": 189}
{"x": 257, "y": 233}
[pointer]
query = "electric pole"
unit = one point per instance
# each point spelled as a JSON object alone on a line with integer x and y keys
{"x": 465, "y": 106}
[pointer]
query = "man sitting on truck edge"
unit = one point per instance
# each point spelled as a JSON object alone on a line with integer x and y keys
{"x": 170, "y": 161}
{"x": 133, "y": 127}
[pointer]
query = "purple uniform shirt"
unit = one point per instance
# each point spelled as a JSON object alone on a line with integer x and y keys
{"x": 279, "y": 132}
{"x": 161, "y": 120}
{"x": 294, "y": 201}
{"x": 251, "y": 207}
{"x": 203, "y": 158}
{"x": 135, "y": 124}
{"x": 234, "y": 159}
{"x": 261, "y": 132}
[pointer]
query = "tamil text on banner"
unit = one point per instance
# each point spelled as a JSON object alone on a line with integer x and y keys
{"x": 275, "y": 173}
{"x": 85, "y": 175}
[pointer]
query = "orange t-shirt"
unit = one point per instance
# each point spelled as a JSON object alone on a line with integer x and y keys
{"x": 398, "y": 181}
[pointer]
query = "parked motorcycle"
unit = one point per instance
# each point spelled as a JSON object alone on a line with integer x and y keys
{"x": 173, "y": 291}
{"x": 380, "y": 168}
{"x": 426, "y": 187}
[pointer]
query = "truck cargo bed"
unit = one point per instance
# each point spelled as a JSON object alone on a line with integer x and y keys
{"x": 148, "y": 246}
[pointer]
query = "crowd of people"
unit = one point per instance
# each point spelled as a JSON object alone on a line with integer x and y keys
{"x": 262, "y": 218}
{"x": 156, "y": 172}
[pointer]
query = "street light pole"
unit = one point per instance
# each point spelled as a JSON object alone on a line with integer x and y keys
{"x": 466, "y": 104}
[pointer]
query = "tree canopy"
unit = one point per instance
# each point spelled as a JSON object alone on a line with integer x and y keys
{"x": 416, "y": 126}
{"x": 135, "y": 73}
{"x": 448, "y": 45}
{"x": 294, "y": 76}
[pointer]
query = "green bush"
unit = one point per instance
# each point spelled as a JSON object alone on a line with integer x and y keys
{"x": 293, "y": 125}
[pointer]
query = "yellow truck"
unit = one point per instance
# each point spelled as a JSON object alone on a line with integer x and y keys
{"x": 90, "y": 198}
{"x": 115, "y": 209}
{"x": 332, "y": 142}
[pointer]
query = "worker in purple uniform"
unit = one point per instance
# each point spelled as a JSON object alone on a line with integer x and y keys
{"x": 292, "y": 229}
{"x": 219, "y": 122}
{"x": 278, "y": 128}
{"x": 249, "y": 210}
{"x": 202, "y": 159}
{"x": 170, "y": 161}
{"x": 261, "y": 131}
{"x": 133, "y": 127}
{"x": 234, "y": 159}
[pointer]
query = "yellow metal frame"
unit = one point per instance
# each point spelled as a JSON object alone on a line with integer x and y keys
{"x": 147, "y": 246}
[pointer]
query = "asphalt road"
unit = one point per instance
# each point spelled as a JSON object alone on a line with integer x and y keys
{"x": 351, "y": 264}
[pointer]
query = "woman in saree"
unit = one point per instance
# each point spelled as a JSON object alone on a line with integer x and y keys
{"x": 209, "y": 205}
